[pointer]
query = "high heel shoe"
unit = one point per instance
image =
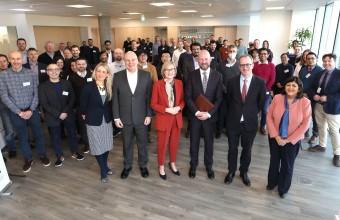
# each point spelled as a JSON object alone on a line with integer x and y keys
{"x": 162, "y": 176}
{"x": 174, "y": 172}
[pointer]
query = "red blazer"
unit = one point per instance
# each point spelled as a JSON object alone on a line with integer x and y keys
{"x": 159, "y": 102}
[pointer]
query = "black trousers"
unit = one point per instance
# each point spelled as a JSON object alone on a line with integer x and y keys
{"x": 206, "y": 129}
{"x": 247, "y": 139}
{"x": 222, "y": 115}
{"x": 281, "y": 165}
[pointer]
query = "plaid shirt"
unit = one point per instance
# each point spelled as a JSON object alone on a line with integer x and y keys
{"x": 19, "y": 90}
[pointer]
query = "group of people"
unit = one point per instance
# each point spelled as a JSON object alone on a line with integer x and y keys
{"x": 123, "y": 92}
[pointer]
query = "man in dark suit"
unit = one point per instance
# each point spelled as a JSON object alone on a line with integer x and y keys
{"x": 57, "y": 97}
{"x": 127, "y": 44}
{"x": 109, "y": 51}
{"x": 35, "y": 66}
{"x": 207, "y": 82}
{"x": 60, "y": 51}
{"x": 132, "y": 90}
{"x": 242, "y": 120}
{"x": 48, "y": 56}
{"x": 325, "y": 91}
{"x": 187, "y": 63}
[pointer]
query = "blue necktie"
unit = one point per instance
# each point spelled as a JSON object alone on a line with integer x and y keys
{"x": 285, "y": 120}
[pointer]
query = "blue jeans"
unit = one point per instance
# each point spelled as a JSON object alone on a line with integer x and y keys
{"x": 9, "y": 130}
{"x": 265, "y": 110}
{"x": 56, "y": 136}
{"x": 21, "y": 127}
{"x": 102, "y": 162}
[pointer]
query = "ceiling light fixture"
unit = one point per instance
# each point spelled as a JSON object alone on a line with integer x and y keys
{"x": 206, "y": 16}
{"x": 161, "y": 4}
{"x": 162, "y": 17}
{"x": 22, "y": 9}
{"x": 275, "y": 8}
{"x": 131, "y": 13}
{"x": 79, "y": 6}
{"x": 189, "y": 11}
{"x": 87, "y": 15}
{"x": 142, "y": 17}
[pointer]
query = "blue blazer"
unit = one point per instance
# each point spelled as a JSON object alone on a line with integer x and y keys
{"x": 92, "y": 107}
{"x": 332, "y": 91}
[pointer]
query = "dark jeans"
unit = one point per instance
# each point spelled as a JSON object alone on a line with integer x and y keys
{"x": 56, "y": 136}
{"x": 315, "y": 125}
{"x": 102, "y": 162}
{"x": 265, "y": 110}
{"x": 8, "y": 127}
{"x": 281, "y": 165}
{"x": 21, "y": 128}
{"x": 222, "y": 115}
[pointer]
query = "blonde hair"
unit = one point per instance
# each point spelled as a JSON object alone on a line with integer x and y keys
{"x": 165, "y": 65}
{"x": 108, "y": 80}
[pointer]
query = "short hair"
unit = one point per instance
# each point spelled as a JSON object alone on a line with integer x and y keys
{"x": 32, "y": 49}
{"x": 195, "y": 44}
{"x": 225, "y": 40}
{"x": 55, "y": 59}
{"x": 295, "y": 79}
{"x": 240, "y": 38}
{"x": 21, "y": 39}
{"x": 89, "y": 39}
{"x": 247, "y": 55}
{"x": 212, "y": 42}
{"x": 232, "y": 46}
{"x": 255, "y": 50}
{"x": 312, "y": 53}
{"x": 165, "y": 65}
{"x": 66, "y": 48}
{"x": 284, "y": 54}
{"x": 81, "y": 58}
{"x": 330, "y": 56}
{"x": 261, "y": 49}
{"x": 74, "y": 46}
{"x": 107, "y": 41}
{"x": 101, "y": 53}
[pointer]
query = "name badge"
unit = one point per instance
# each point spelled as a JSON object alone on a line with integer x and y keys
{"x": 308, "y": 75}
{"x": 267, "y": 93}
{"x": 94, "y": 51}
{"x": 212, "y": 58}
{"x": 43, "y": 71}
{"x": 89, "y": 79}
{"x": 65, "y": 93}
{"x": 319, "y": 90}
{"x": 286, "y": 71}
{"x": 26, "y": 83}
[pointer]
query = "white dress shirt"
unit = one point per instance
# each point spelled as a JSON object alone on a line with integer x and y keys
{"x": 132, "y": 78}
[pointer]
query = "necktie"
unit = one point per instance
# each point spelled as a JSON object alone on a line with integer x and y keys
{"x": 244, "y": 90}
{"x": 323, "y": 83}
{"x": 310, "y": 69}
{"x": 205, "y": 81}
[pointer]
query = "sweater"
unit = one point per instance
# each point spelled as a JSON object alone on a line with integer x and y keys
{"x": 266, "y": 72}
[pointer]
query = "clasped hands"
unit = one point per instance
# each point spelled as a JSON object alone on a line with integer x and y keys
{"x": 26, "y": 114}
{"x": 318, "y": 98}
{"x": 280, "y": 141}
{"x": 173, "y": 110}
{"x": 202, "y": 116}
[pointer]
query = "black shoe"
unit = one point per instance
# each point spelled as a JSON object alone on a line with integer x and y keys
{"x": 174, "y": 172}
{"x": 218, "y": 135}
{"x": 192, "y": 172}
{"x": 125, "y": 173}
{"x": 229, "y": 178}
{"x": 59, "y": 161}
{"x": 187, "y": 135}
{"x": 210, "y": 173}
{"x": 12, "y": 154}
{"x": 32, "y": 146}
{"x": 245, "y": 179}
{"x": 162, "y": 176}
{"x": 270, "y": 187}
{"x": 116, "y": 132}
{"x": 283, "y": 195}
{"x": 144, "y": 172}
{"x": 86, "y": 149}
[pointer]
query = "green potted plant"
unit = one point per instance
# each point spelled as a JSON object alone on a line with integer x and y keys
{"x": 301, "y": 35}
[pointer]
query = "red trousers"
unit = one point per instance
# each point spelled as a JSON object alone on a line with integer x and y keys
{"x": 164, "y": 137}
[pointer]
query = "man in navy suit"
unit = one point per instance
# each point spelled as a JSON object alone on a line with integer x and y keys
{"x": 242, "y": 120}
{"x": 132, "y": 89}
{"x": 207, "y": 82}
{"x": 325, "y": 91}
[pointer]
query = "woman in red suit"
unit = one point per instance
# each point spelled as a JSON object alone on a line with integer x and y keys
{"x": 168, "y": 101}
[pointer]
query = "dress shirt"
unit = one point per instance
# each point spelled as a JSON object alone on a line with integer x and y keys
{"x": 155, "y": 48}
{"x": 24, "y": 56}
{"x": 19, "y": 90}
{"x": 241, "y": 86}
{"x": 328, "y": 77}
{"x": 197, "y": 66}
{"x": 34, "y": 68}
{"x": 115, "y": 67}
{"x": 82, "y": 75}
{"x": 202, "y": 76}
{"x": 51, "y": 54}
{"x": 132, "y": 78}
{"x": 175, "y": 56}
{"x": 229, "y": 64}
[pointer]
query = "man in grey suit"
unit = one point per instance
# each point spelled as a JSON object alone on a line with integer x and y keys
{"x": 132, "y": 90}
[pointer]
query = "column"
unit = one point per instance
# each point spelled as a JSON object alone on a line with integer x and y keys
{"x": 104, "y": 23}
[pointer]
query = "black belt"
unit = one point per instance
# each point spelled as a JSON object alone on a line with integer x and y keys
{"x": 25, "y": 109}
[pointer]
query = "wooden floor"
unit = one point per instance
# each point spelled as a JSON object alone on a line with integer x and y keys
{"x": 74, "y": 191}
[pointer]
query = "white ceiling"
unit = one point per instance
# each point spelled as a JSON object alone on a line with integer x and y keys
{"x": 115, "y": 8}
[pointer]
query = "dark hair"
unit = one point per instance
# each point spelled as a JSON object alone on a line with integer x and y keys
{"x": 263, "y": 49}
{"x": 3, "y": 55}
{"x": 256, "y": 50}
{"x": 212, "y": 42}
{"x": 81, "y": 58}
{"x": 102, "y": 52}
{"x": 266, "y": 42}
{"x": 55, "y": 59}
{"x": 330, "y": 56}
{"x": 312, "y": 53}
{"x": 21, "y": 39}
{"x": 32, "y": 49}
{"x": 165, "y": 51}
{"x": 74, "y": 46}
{"x": 295, "y": 79}
{"x": 140, "y": 52}
{"x": 89, "y": 39}
{"x": 195, "y": 44}
{"x": 107, "y": 41}
{"x": 284, "y": 54}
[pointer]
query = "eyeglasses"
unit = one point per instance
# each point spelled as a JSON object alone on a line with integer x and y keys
{"x": 56, "y": 70}
{"x": 169, "y": 70}
{"x": 246, "y": 65}
{"x": 311, "y": 58}
{"x": 263, "y": 54}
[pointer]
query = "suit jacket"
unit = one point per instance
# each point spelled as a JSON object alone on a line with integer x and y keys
{"x": 186, "y": 65}
{"x": 214, "y": 92}
{"x": 91, "y": 105}
{"x": 45, "y": 58}
{"x": 53, "y": 106}
{"x": 159, "y": 102}
{"x": 254, "y": 102}
{"x": 58, "y": 54}
{"x": 332, "y": 91}
{"x": 42, "y": 71}
{"x": 130, "y": 108}
{"x": 228, "y": 72}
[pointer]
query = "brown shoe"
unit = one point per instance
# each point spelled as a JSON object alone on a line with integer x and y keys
{"x": 263, "y": 131}
{"x": 313, "y": 139}
{"x": 336, "y": 160}
{"x": 150, "y": 139}
{"x": 317, "y": 148}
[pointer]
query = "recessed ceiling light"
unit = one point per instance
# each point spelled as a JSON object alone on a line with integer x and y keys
{"x": 124, "y": 18}
{"x": 21, "y": 9}
{"x": 131, "y": 13}
{"x": 189, "y": 11}
{"x": 87, "y": 15}
{"x": 162, "y": 17}
{"x": 161, "y": 4}
{"x": 79, "y": 6}
{"x": 206, "y": 16}
{"x": 275, "y": 8}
